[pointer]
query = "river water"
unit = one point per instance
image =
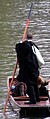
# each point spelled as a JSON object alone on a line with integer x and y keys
{"x": 13, "y": 16}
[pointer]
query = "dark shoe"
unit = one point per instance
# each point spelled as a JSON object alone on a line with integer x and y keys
{"x": 38, "y": 100}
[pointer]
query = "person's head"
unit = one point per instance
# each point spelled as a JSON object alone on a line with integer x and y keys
{"x": 29, "y": 36}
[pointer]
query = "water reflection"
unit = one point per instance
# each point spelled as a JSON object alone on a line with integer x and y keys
{"x": 13, "y": 15}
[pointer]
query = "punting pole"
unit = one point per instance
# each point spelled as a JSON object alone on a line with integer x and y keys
{"x": 27, "y": 22}
{"x": 8, "y": 95}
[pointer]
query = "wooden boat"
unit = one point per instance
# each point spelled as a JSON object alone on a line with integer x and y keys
{"x": 19, "y": 105}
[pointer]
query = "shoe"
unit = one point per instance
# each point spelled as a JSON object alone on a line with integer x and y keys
{"x": 38, "y": 100}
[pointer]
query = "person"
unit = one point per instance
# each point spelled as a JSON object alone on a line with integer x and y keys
{"x": 28, "y": 67}
{"x": 42, "y": 86}
{"x": 18, "y": 88}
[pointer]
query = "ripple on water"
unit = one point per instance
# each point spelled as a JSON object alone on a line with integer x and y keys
{"x": 13, "y": 15}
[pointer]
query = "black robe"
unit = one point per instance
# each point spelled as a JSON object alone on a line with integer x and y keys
{"x": 29, "y": 69}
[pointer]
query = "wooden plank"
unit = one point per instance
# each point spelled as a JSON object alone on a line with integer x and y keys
{"x": 42, "y": 98}
{"x": 21, "y": 98}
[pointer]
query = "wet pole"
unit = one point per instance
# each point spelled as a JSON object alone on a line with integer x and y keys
{"x": 27, "y": 22}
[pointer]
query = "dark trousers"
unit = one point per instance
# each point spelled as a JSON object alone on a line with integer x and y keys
{"x": 33, "y": 92}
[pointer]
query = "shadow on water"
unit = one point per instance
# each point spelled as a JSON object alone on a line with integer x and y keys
{"x": 13, "y": 15}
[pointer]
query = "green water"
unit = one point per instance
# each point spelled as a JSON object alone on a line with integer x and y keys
{"x": 13, "y": 16}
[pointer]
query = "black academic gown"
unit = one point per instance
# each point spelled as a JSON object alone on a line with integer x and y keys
{"x": 28, "y": 72}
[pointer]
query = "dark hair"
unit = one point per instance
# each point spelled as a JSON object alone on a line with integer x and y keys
{"x": 29, "y": 36}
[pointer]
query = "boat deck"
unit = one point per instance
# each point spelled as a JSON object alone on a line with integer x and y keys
{"x": 22, "y": 101}
{"x": 38, "y": 104}
{"x": 40, "y": 109}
